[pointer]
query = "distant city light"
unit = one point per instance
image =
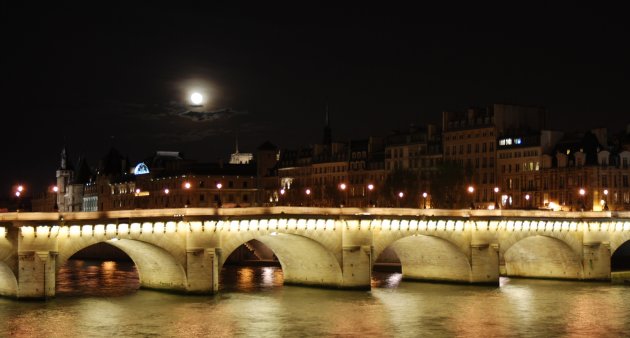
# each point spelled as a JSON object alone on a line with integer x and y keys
{"x": 20, "y": 188}
{"x": 342, "y": 186}
{"x": 17, "y": 194}
{"x": 471, "y": 189}
{"x": 370, "y": 186}
{"x": 308, "y": 191}
{"x": 282, "y": 191}
{"x": 166, "y": 191}
{"x": 582, "y": 191}
{"x": 55, "y": 188}
{"x": 219, "y": 185}
{"x": 187, "y": 185}
{"x": 424, "y": 194}
{"x": 401, "y": 194}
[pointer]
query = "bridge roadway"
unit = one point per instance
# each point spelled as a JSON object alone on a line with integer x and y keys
{"x": 183, "y": 250}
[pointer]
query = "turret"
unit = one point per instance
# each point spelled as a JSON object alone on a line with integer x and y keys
{"x": 64, "y": 177}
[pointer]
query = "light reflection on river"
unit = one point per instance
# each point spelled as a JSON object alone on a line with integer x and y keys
{"x": 99, "y": 299}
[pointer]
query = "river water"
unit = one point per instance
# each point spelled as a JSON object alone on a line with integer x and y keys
{"x": 100, "y": 299}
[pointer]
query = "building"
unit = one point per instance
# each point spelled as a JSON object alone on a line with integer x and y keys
{"x": 240, "y": 158}
{"x": 584, "y": 172}
{"x": 470, "y": 139}
{"x": 164, "y": 180}
{"x": 519, "y": 163}
{"x": 417, "y": 153}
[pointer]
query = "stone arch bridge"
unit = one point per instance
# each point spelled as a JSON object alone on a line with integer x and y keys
{"x": 183, "y": 250}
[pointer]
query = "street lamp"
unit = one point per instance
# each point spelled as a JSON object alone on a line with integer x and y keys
{"x": 55, "y": 190}
{"x": 527, "y": 199}
{"x": 370, "y": 188}
{"x": 496, "y": 198}
{"x": 166, "y": 192}
{"x": 19, "y": 191}
{"x": 308, "y": 194}
{"x": 400, "y": 197}
{"x": 605, "y": 199}
{"x": 282, "y": 192}
{"x": 219, "y": 202}
{"x": 582, "y": 194}
{"x": 424, "y": 200}
{"x": 187, "y": 186}
{"x": 471, "y": 190}
{"x": 343, "y": 188}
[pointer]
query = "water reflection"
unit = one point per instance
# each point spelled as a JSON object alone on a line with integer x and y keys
{"x": 519, "y": 308}
{"x": 247, "y": 279}
{"x": 96, "y": 278}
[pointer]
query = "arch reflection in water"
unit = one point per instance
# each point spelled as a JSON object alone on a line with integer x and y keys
{"x": 82, "y": 275}
{"x": 250, "y": 278}
{"x": 97, "y": 278}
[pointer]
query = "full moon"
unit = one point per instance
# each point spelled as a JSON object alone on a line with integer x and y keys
{"x": 196, "y": 98}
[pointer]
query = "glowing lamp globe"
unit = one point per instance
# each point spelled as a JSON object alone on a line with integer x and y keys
{"x": 196, "y": 98}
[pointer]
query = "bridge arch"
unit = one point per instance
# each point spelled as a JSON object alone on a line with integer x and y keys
{"x": 157, "y": 268}
{"x": 8, "y": 281}
{"x": 542, "y": 256}
{"x": 303, "y": 260}
{"x": 620, "y": 239}
{"x": 426, "y": 257}
{"x": 620, "y": 257}
{"x": 572, "y": 239}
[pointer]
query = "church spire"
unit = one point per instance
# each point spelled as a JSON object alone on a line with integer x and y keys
{"x": 236, "y": 144}
{"x": 64, "y": 159}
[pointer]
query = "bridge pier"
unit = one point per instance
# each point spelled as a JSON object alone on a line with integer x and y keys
{"x": 484, "y": 264}
{"x": 356, "y": 256}
{"x": 202, "y": 268}
{"x": 37, "y": 274}
{"x": 596, "y": 261}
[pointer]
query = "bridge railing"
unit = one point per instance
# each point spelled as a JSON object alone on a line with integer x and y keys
{"x": 184, "y": 213}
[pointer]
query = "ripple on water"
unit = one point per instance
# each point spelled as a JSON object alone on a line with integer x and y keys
{"x": 101, "y": 300}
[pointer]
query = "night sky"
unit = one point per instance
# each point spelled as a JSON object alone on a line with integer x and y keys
{"x": 93, "y": 77}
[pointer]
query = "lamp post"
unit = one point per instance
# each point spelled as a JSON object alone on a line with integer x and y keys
{"x": 343, "y": 187}
{"x": 55, "y": 191}
{"x": 471, "y": 191}
{"x": 582, "y": 197}
{"x": 496, "y": 198}
{"x": 370, "y": 187}
{"x": 187, "y": 186}
{"x": 19, "y": 191}
{"x": 605, "y": 199}
{"x": 527, "y": 201}
{"x": 424, "y": 200}
{"x": 219, "y": 185}
{"x": 282, "y": 192}
{"x": 166, "y": 192}
{"x": 308, "y": 194}
{"x": 400, "y": 197}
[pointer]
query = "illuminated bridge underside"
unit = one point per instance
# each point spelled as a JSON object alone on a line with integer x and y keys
{"x": 316, "y": 247}
{"x": 431, "y": 258}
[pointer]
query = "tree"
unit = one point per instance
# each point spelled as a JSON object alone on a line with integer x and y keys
{"x": 405, "y": 181}
{"x": 447, "y": 188}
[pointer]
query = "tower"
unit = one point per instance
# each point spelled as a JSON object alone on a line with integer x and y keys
{"x": 64, "y": 177}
